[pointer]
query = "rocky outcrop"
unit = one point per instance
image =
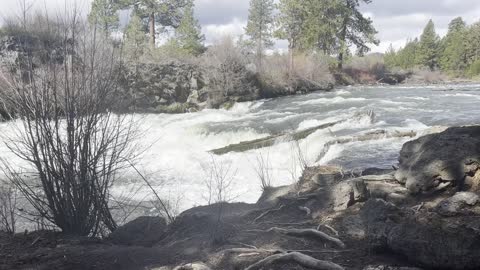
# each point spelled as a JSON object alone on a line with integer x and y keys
{"x": 171, "y": 87}
{"x": 424, "y": 236}
{"x": 449, "y": 158}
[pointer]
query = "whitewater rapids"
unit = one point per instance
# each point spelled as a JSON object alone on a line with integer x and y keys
{"x": 177, "y": 160}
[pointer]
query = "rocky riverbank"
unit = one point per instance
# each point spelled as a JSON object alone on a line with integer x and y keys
{"x": 421, "y": 215}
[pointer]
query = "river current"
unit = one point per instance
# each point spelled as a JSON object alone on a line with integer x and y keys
{"x": 179, "y": 165}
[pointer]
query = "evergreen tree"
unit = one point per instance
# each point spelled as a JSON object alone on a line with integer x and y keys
{"x": 165, "y": 12}
{"x": 473, "y": 43}
{"x": 453, "y": 57}
{"x": 291, "y": 21}
{"x": 189, "y": 35}
{"x": 135, "y": 39}
{"x": 355, "y": 29}
{"x": 321, "y": 26}
{"x": 429, "y": 46}
{"x": 391, "y": 57}
{"x": 104, "y": 14}
{"x": 260, "y": 27}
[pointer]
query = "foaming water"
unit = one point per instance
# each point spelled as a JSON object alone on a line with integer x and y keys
{"x": 178, "y": 162}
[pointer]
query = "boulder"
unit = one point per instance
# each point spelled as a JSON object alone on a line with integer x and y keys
{"x": 424, "y": 237}
{"x": 143, "y": 231}
{"x": 457, "y": 204}
{"x": 448, "y": 158}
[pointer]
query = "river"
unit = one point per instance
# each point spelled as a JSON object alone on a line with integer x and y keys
{"x": 178, "y": 162}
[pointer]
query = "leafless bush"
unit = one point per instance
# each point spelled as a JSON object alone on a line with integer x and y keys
{"x": 312, "y": 68}
{"x": 227, "y": 72}
{"x": 427, "y": 76}
{"x": 218, "y": 180}
{"x": 8, "y": 207}
{"x": 367, "y": 69}
{"x": 299, "y": 160}
{"x": 74, "y": 145}
{"x": 263, "y": 168}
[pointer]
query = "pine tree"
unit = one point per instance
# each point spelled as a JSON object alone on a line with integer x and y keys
{"x": 473, "y": 43}
{"x": 104, "y": 14}
{"x": 321, "y": 26}
{"x": 189, "y": 35}
{"x": 135, "y": 39}
{"x": 391, "y": 57}
{"x": 165, "y": 12}
{"x": 291, "y": 22}
{"x": 260, "y": 27}
{"x": 355, "y": 29}
{"x": 453, "y": 51}
{"x": 429, "y": 46}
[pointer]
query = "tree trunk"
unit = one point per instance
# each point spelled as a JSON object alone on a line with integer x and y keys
{"x": 343, "y": 44}
{"x": 259, "y": 55}
{"x": 152, "y": 29}
{"x": 291, "y": 63}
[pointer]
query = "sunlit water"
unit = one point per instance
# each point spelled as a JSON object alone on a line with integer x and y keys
{"x": 178, "y": 161}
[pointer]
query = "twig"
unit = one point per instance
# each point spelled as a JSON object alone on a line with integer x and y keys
{"x": 164, "y": 206}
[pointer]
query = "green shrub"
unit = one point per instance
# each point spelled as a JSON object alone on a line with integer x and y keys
{"x": 474, "y": 69}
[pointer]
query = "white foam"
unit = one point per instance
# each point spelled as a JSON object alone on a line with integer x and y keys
{"x": 334, "y": 100}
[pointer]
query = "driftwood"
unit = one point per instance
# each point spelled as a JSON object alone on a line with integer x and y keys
{"x": 297, "y": 257}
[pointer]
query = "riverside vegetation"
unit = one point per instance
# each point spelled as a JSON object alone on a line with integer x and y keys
{"x": 69, "y": 90}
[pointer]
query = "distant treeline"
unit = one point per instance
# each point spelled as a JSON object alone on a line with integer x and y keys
{"x": 458, "y": 53}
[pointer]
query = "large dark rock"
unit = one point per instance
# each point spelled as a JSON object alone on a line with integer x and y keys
{"x": 143, "y": 231}
{"x": 424, "y": 237}
{"x": 451, "y": 158}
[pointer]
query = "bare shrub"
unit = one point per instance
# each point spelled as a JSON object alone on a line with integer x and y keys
{"x": 74, "y": 145}
{"x": 227, "y": 72}
{"x": 263, "y": 168}
{"x": 428, "y": 76}
{"x": 310, "y": 69}
{"x": 299, "y": 160}
{"x": 218, "y": 180}
{"x": 368, "y": 69}
{"x": 8, "y": 207}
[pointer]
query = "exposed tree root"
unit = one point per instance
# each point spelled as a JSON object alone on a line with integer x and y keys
{"x": 266, "y": 213}
{"x": 296, "y": 257}
{"x": 310, "y": 233}
{"x": 192, "y": 266}
{"x": 307, "y": 210}
{"x": 328, "y": 227}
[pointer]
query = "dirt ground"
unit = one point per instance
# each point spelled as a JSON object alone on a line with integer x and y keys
{"x": 206, "y": 234}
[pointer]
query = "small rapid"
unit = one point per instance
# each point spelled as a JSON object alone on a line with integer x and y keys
{"x": 178, "y": 160}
